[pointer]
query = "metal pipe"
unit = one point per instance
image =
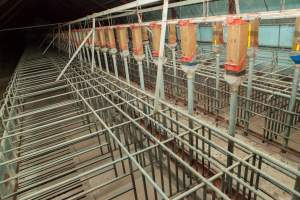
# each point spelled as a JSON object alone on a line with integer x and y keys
{"x": 99, "y": 58}
{"x": 49, "y": 45}
{"x": 141, "y": 75}
{"x": 93, "y": 44}
{"x": 105, "y": 59}
{"x": 291, "y": 107}
{"x": 174, "y": 71}
{"x": 249, "y": 92}
{"x": 190, "y": 83}
{"x": 231, "y": 128}
{"x": 69, "y": 44}
{"x": 159, "y": 88}
{"x": 115, "y": 65}
{"x": 217, "y": 102}
{"x": 147, "y": 55}
{"x": 126, "y": 69}
{"x": 74, "y": 55}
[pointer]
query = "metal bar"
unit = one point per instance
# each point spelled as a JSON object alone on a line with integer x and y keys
{"x": 74, "y": 55}
{"x": 159, "y": 79}
{"x": 93, "y": 44}
{"x": 54, "y": 38}
{"x": 291, "y": 107}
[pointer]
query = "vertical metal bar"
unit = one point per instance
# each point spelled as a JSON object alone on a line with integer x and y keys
{"x": 99, "y": 59}
{"x": 106, "y": 61}
{"x": 291, "y": 107}
{"x": 237, "y": 6}
{"x": 231, "y": 128}
{"x": 249, "y": 94}
{"x": 69, "y": 46}
{"x": 115, "y": 65}
{"x": 141, "y": 74}
{"x": 217, "y": 105}
{"x": 174, "y": 72}
{"x": 126, "y": 69}
{"x": 147, "y": 56}
{"x": 190, "y": 78}
{"x": 59, "y": 39}
{"x": 159, "y": 77}
{"x": 93, "y": 45}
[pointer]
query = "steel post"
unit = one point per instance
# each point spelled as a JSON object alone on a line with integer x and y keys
{"x": 141, "y": 74}
{"x": 93, "y": 44}
{"x": 114, "y": 58}
{"x": 126, "y": 69}
{"x": 248, "y": 95}
{"x": 174, "y": 71}
{"x": 99, "y": 59}
{"x": 105, "y": 60}
{"x": 217, "y": 95}
{"x": 69, "y": 44}
{"x": 231, "y": 128}
{"x": 291, "y": 108}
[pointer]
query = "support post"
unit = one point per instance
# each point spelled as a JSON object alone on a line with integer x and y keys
{"x": 190, "y": 78}
{"x": 147, "y": 56}
{"x": 291, "y": 108}
{"x": 237, "y": 6}
{"x": 114, "y": 58}
{"x": 174, "y": 71}
{"x": 249, "y": 94}
{"x": 59, "y": 39}
{"x": 217, "y": 96}
{"x": 141, "y": 74}
{"x": 159, "y": 77}
{"x": 104, "y": 51}
{"x": 69, "y": 46}
{"x": 99, "y": 58}
{"x": 231, "y": 128}
{"x": 93, "y": 45}
{"x": 126, "y": 69}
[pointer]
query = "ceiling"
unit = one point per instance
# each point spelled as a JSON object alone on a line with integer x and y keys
{"x": 15, "y": 13}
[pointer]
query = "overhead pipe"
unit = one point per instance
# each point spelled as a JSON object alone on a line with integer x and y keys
{"x": 284, "y": 14}
{"x": 117, "y": 9}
